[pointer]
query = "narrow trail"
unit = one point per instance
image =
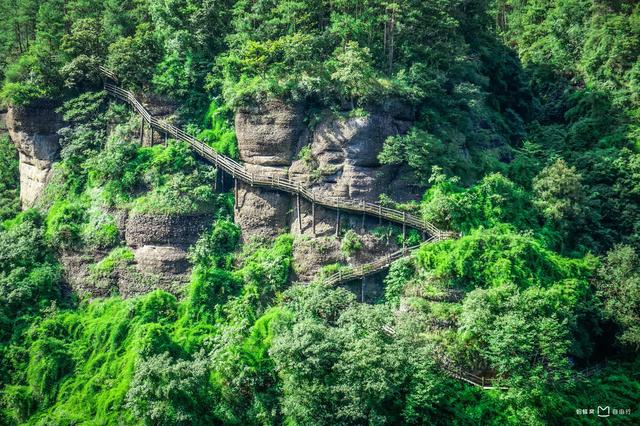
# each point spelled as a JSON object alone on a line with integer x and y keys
{"x": 239, "y": 172}
{"x": 273, "y": 181}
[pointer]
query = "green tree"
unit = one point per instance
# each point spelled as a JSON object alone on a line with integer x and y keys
{"x": 619, "y": 289}
{"x": 132, "y": 58}
{"x": 165, "y": 391}
{"x": 352, "y": 70}
{"x": 9, "y": 184}
{"x": 561, "y": 197}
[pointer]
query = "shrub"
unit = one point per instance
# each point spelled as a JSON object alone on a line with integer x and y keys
{"x": 219, "y": 135}
{"x": 118, "y": 257}
{"x": 9, "y": 179}
{"x": 213, "y": 249}
{"x": 400, "y": 272}
{"x": 351, "y": 243}
{"x": 165, "y": 391}
{"x": 64, "y": 223}
{"x": 101, "y": 231}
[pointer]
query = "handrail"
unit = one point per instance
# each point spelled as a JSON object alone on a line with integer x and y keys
{"x": 376, "y": 266}
{"x": 488, "y": 383}
{"x": 239, "y": 171}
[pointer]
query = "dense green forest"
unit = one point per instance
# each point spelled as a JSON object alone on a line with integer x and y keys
{"x": 526, "y": 141}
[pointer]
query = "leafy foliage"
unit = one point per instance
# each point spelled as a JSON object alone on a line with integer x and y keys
{"x": 8, "y": 180}
{"x": 619, "y": 284}
{"x": 524, "y": 138}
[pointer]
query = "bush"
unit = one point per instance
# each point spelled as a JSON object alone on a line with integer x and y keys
{"x": 100, "y": 231}
{"x": 20, "y": 403}
{"x": 118, "y": 257}
{"x": 9, "y": 179}
{"x": 494, "y": 257}
{"x": 64, "y": 223}
{"x": 214, "y": 248}
{"x": 351, "y": 243}
{"x": 220, "y": 135}
{"x": 400, "y": 272}
{"x": 165, "y": 391}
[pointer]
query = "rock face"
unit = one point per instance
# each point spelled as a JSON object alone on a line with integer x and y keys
{"x": 339, "y": 158}
{"x": 343, "y": 156}
{"x": 3, "y": 121}
{"x": 159, "y": 244}
{"x": 268, "y": 134}
{"x": 33, "y": 130}
{"x": 310, "y": 255}
{"x": 268, "y": 137}
{"x": 157, "y": 230}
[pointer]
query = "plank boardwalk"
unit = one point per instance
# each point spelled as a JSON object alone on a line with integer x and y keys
{"x": 238, "y": 171}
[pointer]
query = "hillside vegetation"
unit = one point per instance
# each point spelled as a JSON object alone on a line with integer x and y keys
{"x": 526, "y": 141}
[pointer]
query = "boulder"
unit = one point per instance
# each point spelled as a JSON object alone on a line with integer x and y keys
{"x": 344, "y": 156}
{"x": 163, "y": 267}
{"x": 262, "y": 212}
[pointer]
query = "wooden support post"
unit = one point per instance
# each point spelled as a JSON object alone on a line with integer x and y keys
{"x": 141, "y": 130}
{"x": 380, "y": 215}
{"x": 337, "y": 222}
{"x": 222, "y": 181}
{"x": 235, "y": 194}
{"x": 404, "y": 229}
{"x": 313, "y": 217}
{"x": 362, "y": 290}
{"x": 299, "y": 213}
{"x": 215, "y": 181}
{"x": 166, "y": 137}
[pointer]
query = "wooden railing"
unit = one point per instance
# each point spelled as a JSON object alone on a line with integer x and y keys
{"x": 239, "y": 171}
{"x": 378, "y": 265}
{"x": 454, "y": 370}
{"x": 273, "y": 181}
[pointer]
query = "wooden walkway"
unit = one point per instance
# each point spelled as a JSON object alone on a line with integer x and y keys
{"x": 384, "y": 262}
{"x": 238, "y": 171}
{"x": 273, "y": 181}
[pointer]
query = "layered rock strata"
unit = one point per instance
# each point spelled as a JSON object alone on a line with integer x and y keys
{"x": 338, "y": 158}
{"x": 33, "y": 130}
{"x": 160, "y": 246}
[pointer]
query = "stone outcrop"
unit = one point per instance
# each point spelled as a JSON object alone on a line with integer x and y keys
{"x": 160, "y": 246}
{"x": 33, "y": 130}
{"x": 158, "y": 230}
{"x": 343, "y": 156}
{"x": 269, "y": 135}
{"x": 3, "y": 121}
{"x": 310, "y": 255}
{"x": 261, "y": 212}
{"x": 339, "y": 158}
{"x": 163, "y": 109}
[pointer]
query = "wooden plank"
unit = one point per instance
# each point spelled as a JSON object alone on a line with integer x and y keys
{"x": 236, "y": 169}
